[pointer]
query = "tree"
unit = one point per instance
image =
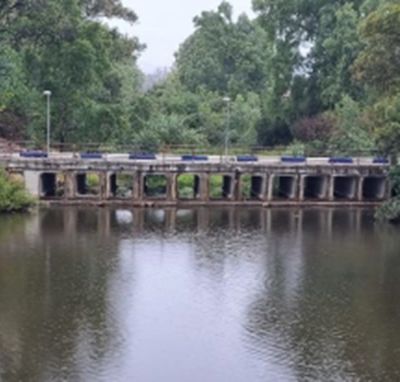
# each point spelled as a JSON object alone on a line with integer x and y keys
{"x": 378, "y": 63}
{"x": 222, "y": 55}
{"x": 59, "y": 45}
{"x": 376, "y": 68}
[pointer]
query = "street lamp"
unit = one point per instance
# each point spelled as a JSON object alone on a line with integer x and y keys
{"x": 227, "y": 100}
{"x": 47, "y": 94}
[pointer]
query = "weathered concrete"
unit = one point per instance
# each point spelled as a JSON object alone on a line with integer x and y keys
{"x": 271, "y": 183}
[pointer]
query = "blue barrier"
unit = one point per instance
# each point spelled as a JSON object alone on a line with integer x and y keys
{"x": 194, "y": 158}
{"x": 33, "y": 154}
{"x": 142, "y": 156}
{"x": 287, "y": 159}
{"x": 380, "y": 160}
{"x": 341, "y": 160}
{"x": 91, "y": 155}
{"x": 246, "y": 158}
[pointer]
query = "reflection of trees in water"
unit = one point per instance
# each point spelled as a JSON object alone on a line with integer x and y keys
{"x": 327, "y": 310}
{"x": 341, "y": 321}
{"x": 53, "y": 297}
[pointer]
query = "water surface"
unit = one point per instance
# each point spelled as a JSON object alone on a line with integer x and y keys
{"x": 199, "y": 295}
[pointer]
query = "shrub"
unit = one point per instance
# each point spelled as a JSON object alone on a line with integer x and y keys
{"x": 13, "y": 197}
{"x": 389, "y": 211}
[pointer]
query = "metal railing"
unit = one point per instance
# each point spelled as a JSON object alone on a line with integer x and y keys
{"x": 175, "y": 152}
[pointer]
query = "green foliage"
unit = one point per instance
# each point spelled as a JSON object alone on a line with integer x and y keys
{"x": 395, "y": 180}
{"x": 216, "y": 182}
{"x": 156, "y": 185}
{"x": 378, "y": 63}
{"x": 385, "y": 114}
{"x": 224, "y": 56}
{"x": 377, "y": 69}
{"x": 92, "y": 182}
{"x": 58, "y": 45}
{"x": 186, "y": 183}
{"x": 324, "y": 73}
{"x": 295, "y": 149}
{"x": 350, "y": 134}
{"x": 13, "y": 197}
{"x": 389, "y": 211}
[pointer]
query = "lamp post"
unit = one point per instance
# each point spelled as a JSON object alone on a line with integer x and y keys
{"x": 47, "y": 94}
{"x": 227, "y": 100}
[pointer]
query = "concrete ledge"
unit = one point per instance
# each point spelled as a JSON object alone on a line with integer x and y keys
{"x": 212, "y": 203}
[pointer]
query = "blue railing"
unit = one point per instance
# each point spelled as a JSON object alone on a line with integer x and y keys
{"x": 247, "y": 158}
{"x": 142, "y": 156}
{"x": 33, "y": 154}
{"x": 197, "y": 158}
{"x": 341, "y": 160}
{"x": 91, "y": 155}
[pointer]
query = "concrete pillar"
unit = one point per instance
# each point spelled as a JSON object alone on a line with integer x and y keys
{"x": 103, "y": 189}
{"x": 235, "y": 191}
{"x": 302, "y": 184}
{"x": 171, "y": 187}
{"x": 331, "y": 188}
{"x": 204, "y": 187}
{"x": 270, "y": 189}
{"x": 138, "y": 187}
{"x": 360, "y": 188}
{"x": 69, "y": 185}
{"x": 32, "y": 182}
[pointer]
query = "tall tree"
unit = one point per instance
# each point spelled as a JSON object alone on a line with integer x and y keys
{"x": 223, "y": 55}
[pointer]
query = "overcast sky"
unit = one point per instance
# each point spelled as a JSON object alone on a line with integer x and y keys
{"x": 164, "y": 25}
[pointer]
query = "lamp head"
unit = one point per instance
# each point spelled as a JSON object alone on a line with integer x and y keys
{"x": 47, "y": 93}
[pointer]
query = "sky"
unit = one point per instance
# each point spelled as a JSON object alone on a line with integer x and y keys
{"x": 164, "y": 24}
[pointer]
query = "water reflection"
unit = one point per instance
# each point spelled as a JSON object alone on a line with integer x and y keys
{"x": 225, "y": 294}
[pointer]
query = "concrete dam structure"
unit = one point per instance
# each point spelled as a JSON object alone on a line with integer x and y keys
{"x": 121, "y": 179}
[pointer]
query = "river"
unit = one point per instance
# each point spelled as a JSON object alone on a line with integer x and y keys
{"x": 199, "y": 295}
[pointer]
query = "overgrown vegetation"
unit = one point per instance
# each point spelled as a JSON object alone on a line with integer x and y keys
{"x": 320, "y": 77}
{"x": 13, "y": 197}
{"x": 328, "y": 81}
{"x": 390, "y": 210}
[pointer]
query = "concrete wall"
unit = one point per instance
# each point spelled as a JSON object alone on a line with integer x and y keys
{"x": 269, "y": 183}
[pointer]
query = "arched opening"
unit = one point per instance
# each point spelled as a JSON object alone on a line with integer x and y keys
{"x": 345, "y": 187}
{"x": 155, "y": 186}
{"x": 315, "y": 187}
{"x": 51, "y": 185}
{"x": 284, "y": 187}
{"x": 88, "y": 184}
{"x": 251, "y": 187}
{"x": 221, "y": 187}
{"x": 374, "y": 188}
{"x": 188, "y": 186}
{"x": 121, "y": 186}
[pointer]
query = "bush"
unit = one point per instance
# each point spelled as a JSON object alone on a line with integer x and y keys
{"x": 395, "y": 179}
{"x": 13, "y": 197}
{"x": 389, "y": 211}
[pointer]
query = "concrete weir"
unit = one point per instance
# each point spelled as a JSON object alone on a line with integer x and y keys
{"x": 171, "y": 181}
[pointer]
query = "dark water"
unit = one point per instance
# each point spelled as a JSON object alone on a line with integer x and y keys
{"x": 203, "y": 295}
